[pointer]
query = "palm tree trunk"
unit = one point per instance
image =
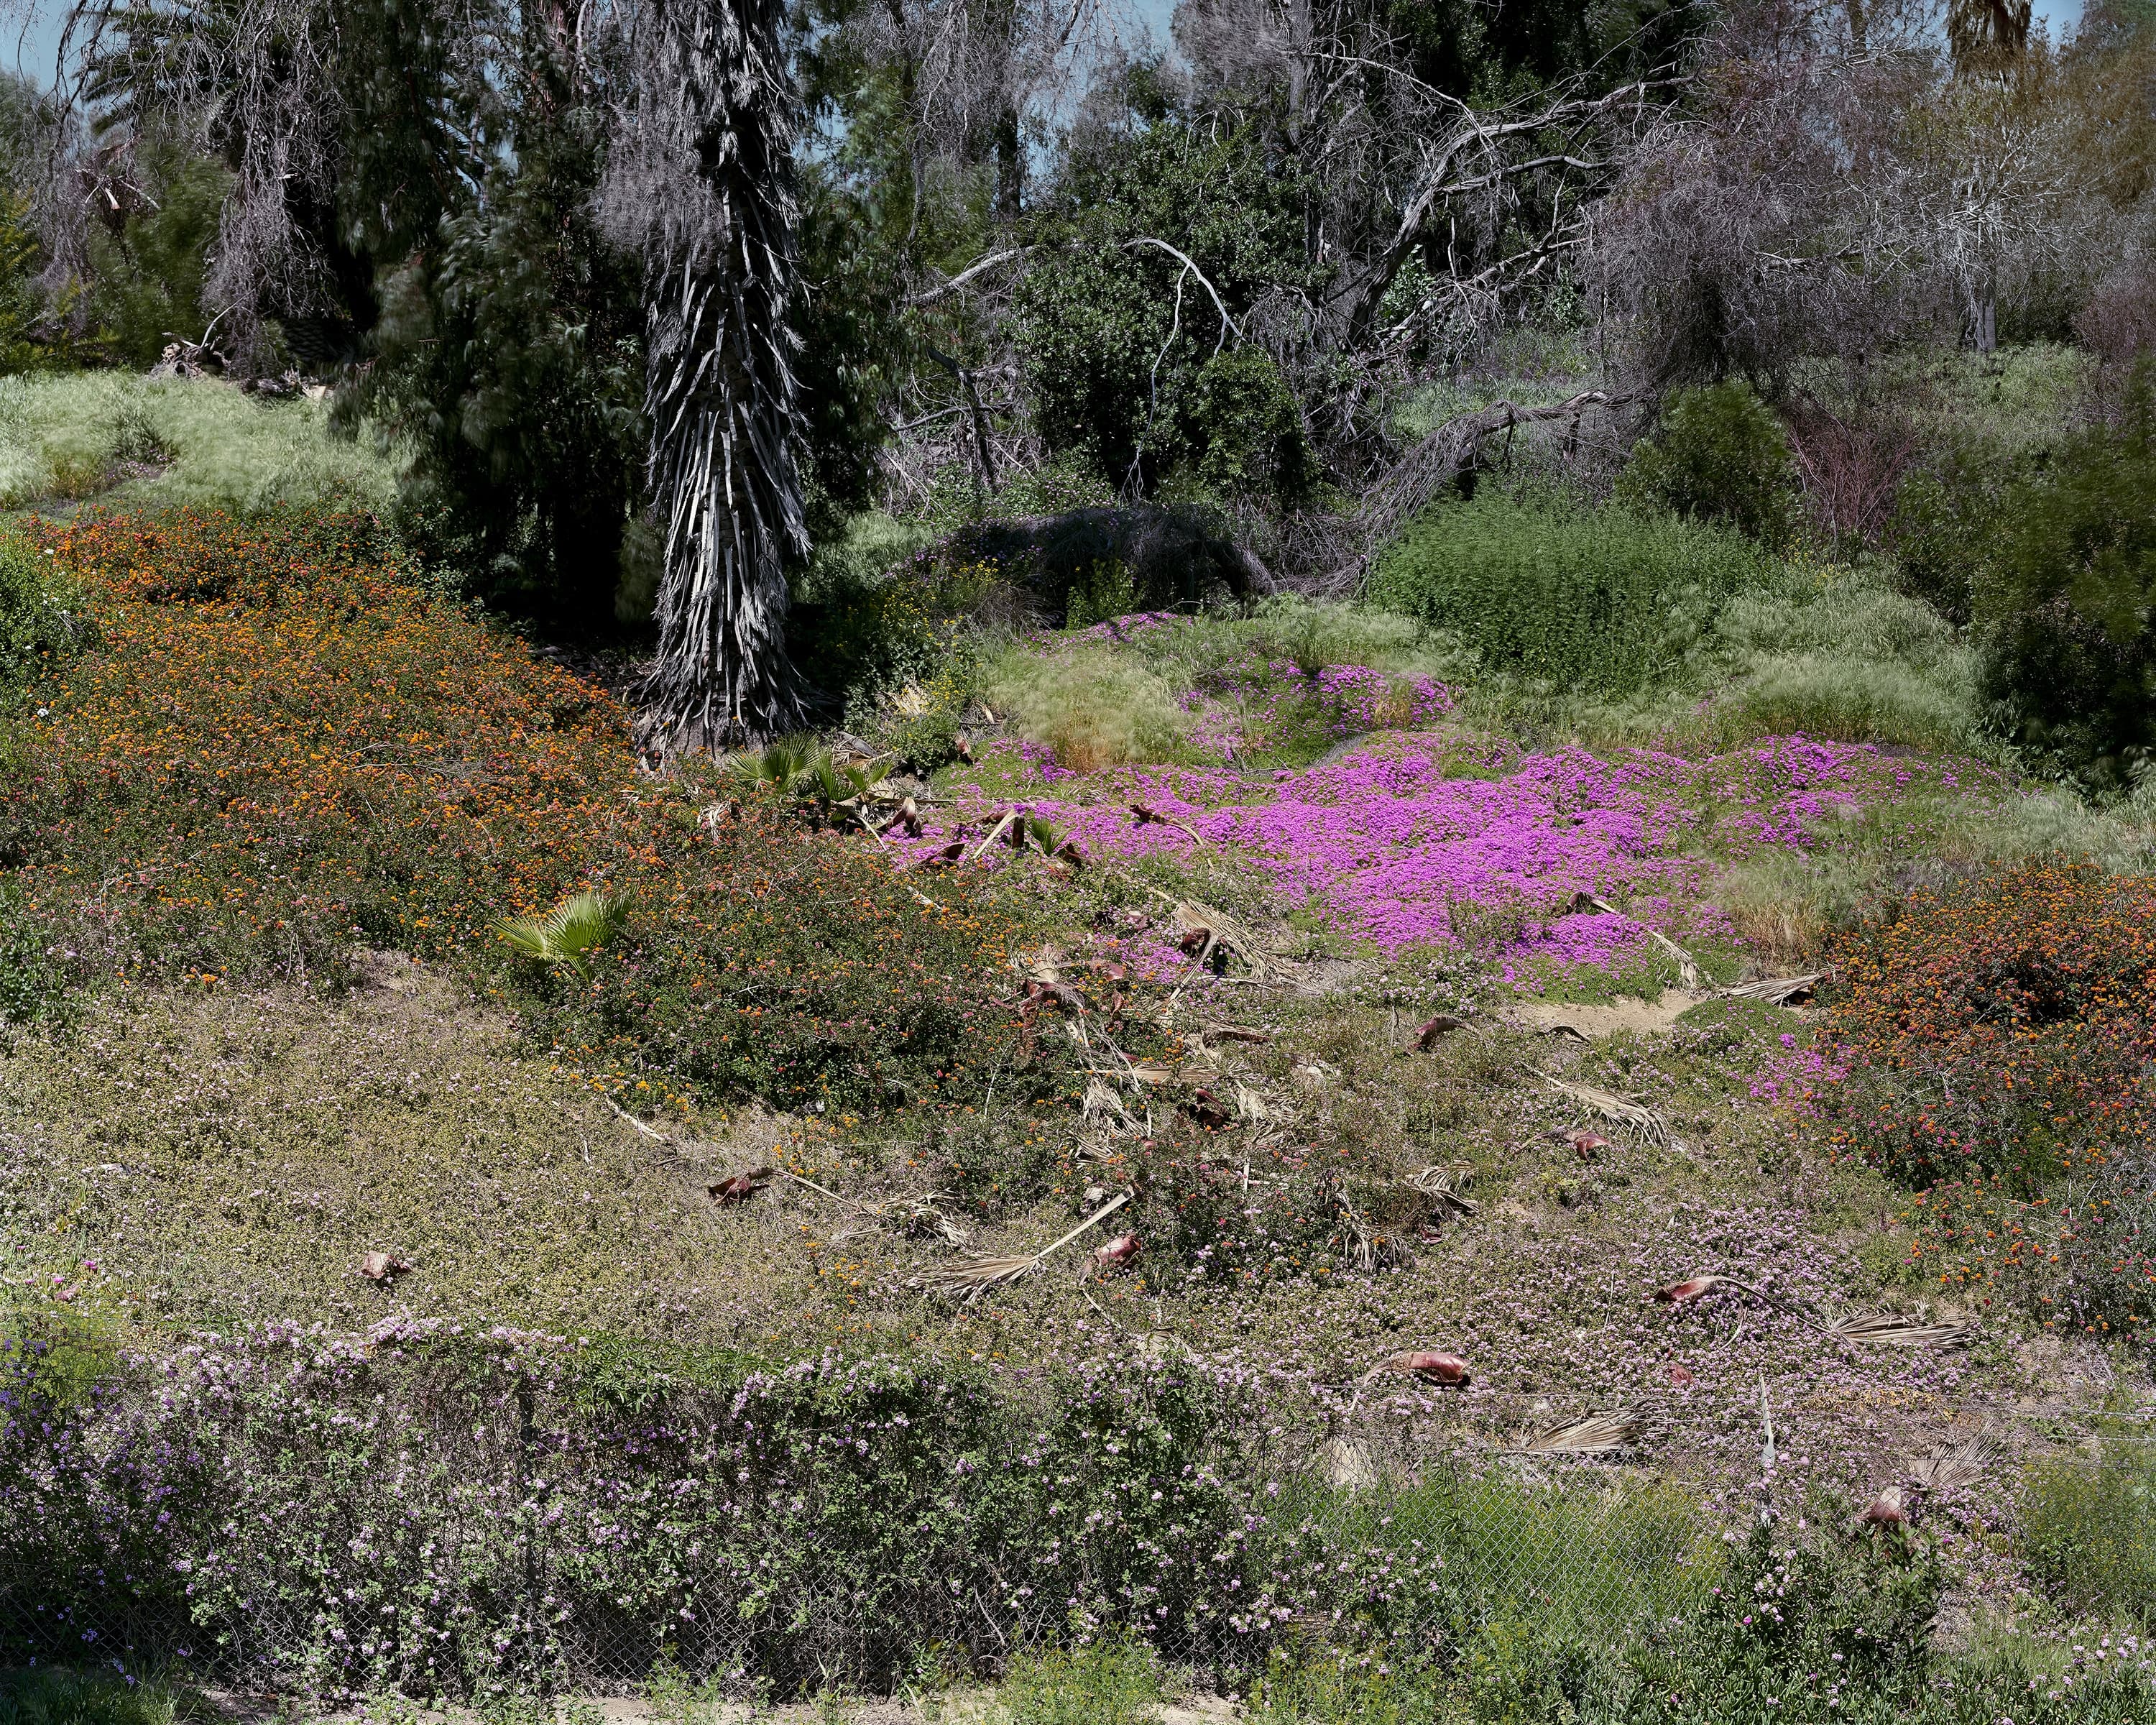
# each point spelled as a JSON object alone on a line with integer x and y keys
{"x": 720, "y": 387}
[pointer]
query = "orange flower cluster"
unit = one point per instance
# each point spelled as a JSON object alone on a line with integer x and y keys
{"x": 1999, "y": 1036}
{"x": 2006, "y": 1022}
{"x": 283, "y": 749}
{"x": 2082, "y": 1257}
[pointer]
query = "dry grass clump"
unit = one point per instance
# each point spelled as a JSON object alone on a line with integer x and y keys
{"x": 1852, "y": 701}
{"x": 222, "y": 1157}
{"x": 1092, "y": 707}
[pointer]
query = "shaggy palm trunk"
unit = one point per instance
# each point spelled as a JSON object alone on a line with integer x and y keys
{"x": 720, "y": 387}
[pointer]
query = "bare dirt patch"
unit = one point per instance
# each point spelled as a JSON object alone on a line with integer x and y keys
{"x": 1592, "y": 1022}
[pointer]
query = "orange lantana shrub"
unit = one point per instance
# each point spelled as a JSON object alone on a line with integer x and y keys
{"x": 283, "y": 750}
{"x": 1998, "y": 1035}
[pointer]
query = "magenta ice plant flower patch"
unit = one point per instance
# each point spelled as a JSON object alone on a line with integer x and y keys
{"x": 1394, "y": 847}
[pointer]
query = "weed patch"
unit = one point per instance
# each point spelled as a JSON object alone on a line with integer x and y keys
{"x": 2090, "y": 1528}
{"x": 61, "y": 1695}
{"x": 1109, "y": 1683}
{"x": 1604, "y": 601}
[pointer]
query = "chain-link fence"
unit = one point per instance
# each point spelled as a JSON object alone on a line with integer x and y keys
{"x": 1410, "y": 1558}
{"x": 425, "y": 1511}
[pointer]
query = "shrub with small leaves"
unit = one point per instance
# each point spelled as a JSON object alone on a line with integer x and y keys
{"x": 1797, "y": 1625}
{"x": 1719, "y": 456}
{"x": 2070, "y": 655}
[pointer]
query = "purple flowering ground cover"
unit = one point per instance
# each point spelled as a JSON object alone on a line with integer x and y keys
{"x": 1421, "y": 840}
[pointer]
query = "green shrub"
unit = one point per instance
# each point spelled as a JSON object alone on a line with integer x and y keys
{"x": 1602, "y": 601}
{"x": 1114, "y": 335}
{"x": 1945, "y": 519}
{"x": 22, "y": 306}
{"x": 1719, "y": 455}
{"x": 1449, "y": 1546}
{"x": 871, "y": 632}
{"x": 1820, "y": 695}
{"x": 1109, "y": 1683}
{"x": 1244, "y": 431}
{"x": 1330, "y": 1692}
{"x": 1825, "y": 1628}
{"x": 39, "y": 621}
{"x": 1100, "y": 592}
{"x": 835, "y": 1521}
{"x": 39, "y": 970}
{"x": 2070, "y": 656}
{"x": 54, "y": 1355}
{"x": 147, "y": 279}
{"x": 2089, "y": 1529}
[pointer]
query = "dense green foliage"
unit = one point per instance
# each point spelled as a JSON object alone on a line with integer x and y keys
{"x": 687, "y": 1500}
{"x": 949, "y": 1508}
{"x": 1114, "y": 1683}
{"x": 1796, "y": 1627}
{"x": 1591, "y": 599}
{"x": 37, "y": 621}
{"x": 1127, "y": 359}
{"x": 509, "y": 354}
{"x": 1946, "y": 519}
{"x": 2091, "y": 1528}
{"x": 147, "y": 272}
{"x": 1719, "y": 456}
{"x": 22, "y": 306}
{"x": 25, "y": 335}
{"x": 2066, "y": 606}
{"x": 1244, "y": 431}
{"x": 61, "y": 1695}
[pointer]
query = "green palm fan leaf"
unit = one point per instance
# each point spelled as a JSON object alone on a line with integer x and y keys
{"x": 569, "y": 933}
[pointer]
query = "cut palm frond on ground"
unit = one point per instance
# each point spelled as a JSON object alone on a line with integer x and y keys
{"x": 1640, "y": 1118}
{"x": 978, "y": 1277}
{"x": 1103, "y": 1103}
{"x": 1347, "y": 1465}
{"x": 1687, "y": 970}
{"x": 1884, "y": 1329}
{"x": 1950, "y": 1466}
{"x": 1441, "y": 1185}
{"x": 1134, "y": 1072}
{"x": 1365, "y": 1247}
{"x": 974, "y": 1279}
{"x": 1145, "y": 815}
{"x": 1597, "y": 1434}
{"x": 1203, "y": 930}
{"x": 1775, "y": 991}
{"x": 995, "y": 832}
{"x": 909, "y": 1214}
